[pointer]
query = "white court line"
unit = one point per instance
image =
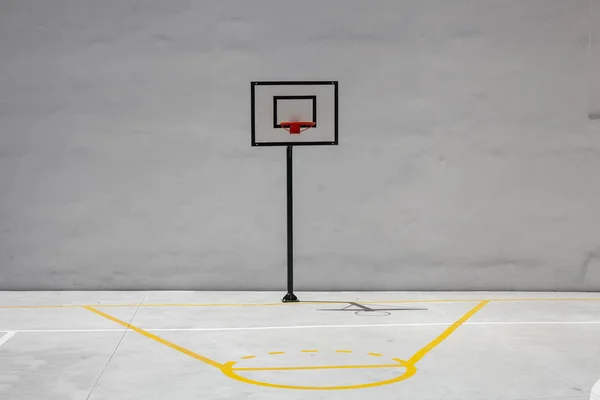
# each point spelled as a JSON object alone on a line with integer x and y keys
{"x": 595, "y": 394}
{"x": 258, "y": 328}
{"x": 7, "y": 336}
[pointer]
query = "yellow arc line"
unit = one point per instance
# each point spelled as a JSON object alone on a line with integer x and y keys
{"x": 174, "y": 346}
{"x": 230, "y": 372}
{"x": 444, "y": 335}
{"x": 320, "y": 367}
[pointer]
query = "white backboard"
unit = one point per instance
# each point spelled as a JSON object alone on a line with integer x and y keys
{"x": 293, "y": 101}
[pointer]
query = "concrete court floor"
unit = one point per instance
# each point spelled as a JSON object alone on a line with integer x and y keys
{"x": 248, "y": 345}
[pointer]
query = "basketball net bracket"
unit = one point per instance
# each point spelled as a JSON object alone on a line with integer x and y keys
{"x": 296, "y": 127}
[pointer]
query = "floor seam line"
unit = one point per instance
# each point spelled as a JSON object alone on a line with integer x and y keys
{"x": 116, "y": 348}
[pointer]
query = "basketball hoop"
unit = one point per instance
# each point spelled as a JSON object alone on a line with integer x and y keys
{"x": 295, "y": 127}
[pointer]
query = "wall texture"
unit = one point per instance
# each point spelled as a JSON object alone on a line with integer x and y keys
{"x": 466, "y": 161}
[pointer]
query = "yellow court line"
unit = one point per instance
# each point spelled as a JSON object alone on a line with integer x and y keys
{"x": 228, "y": 304}
{"x": 174, "y": 346}
{"x": 78, "y": 306}
{"x": 204, "y": 305}
{"x": 524, "y": 299}
{"x": 444, "y": 335}
{"x": 252, "y": 304}
{"x": 156, "y": 305}
{"x": 321, "y": 367}
{"x": 516, "y": 299}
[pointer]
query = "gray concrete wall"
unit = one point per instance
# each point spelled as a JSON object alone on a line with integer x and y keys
{"x": 466, "y": 161}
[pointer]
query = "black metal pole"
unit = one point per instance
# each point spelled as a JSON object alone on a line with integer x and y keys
{"x": 290, "y": 296}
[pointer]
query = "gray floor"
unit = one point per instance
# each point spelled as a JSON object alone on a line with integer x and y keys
{"x": 222, "y": 345}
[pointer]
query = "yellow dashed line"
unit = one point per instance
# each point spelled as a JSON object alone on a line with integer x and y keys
{"x": 277, "y": 352}
{"x": 310, "y": 351}
{"x": 343, "y": 351}
{"x": 375, "y": 354}
{"x": 248, "y": 357}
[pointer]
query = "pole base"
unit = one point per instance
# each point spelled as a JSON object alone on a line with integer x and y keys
{"x": 290, "y": 297}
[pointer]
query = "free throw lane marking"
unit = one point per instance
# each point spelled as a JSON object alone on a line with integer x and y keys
{"x": 231, "y": 372}
{"x": 174, "y": 346}
{"x": 431, "y": 345}
{"x": 7, "y": 336}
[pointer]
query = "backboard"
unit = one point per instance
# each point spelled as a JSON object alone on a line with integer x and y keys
{"x": 290, "y": 101}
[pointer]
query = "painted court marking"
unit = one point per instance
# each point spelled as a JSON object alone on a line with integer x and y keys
{"x": 230, "y": 370}
{"x": 435, "y": 342}
{"x": 516, "y": 299}
{"x": 6, "y": 337}
{"x": 595, "y": 393}
{"x": 156, "y": 338}
{"x": 295, "y": 327}
{"x": 321, "y": 367}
